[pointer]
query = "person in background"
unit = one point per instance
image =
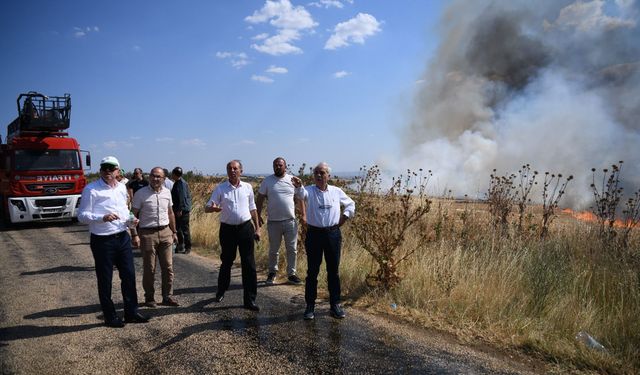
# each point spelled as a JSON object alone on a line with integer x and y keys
{"x": 103, "y": 206}
{"x": 181, "y": 208}
{"x": 136, "y": 182}
{"x": 156, "y": 233}
{"x": 168, "y": 182}
{"x": 324, "y": 238}
{"x": 121, "y": 177}
{"x": 278, "y": 190}
{"x": 239, "y": 227}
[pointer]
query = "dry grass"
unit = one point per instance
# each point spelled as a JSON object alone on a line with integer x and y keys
{"x": 518, "y": 291}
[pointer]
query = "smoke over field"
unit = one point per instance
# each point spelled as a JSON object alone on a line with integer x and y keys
{"x": 554, "y": 84}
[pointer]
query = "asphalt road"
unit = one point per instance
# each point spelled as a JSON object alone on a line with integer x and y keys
{"x": 51, "y": 323}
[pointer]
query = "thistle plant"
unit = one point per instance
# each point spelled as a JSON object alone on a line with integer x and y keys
{"x": 553, "y": 189}
{"x": 607, "y": 195}
{"x": 526, "y": 181}
{"x": 630, "y": 217}
{"x": 501, "y": 196}
{"x": 387, "y": 217}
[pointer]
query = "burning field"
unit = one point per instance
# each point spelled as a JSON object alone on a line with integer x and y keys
{"x": 552, "y": 83}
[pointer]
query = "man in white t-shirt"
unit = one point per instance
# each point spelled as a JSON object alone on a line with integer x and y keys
{"x": 279, "y": 191}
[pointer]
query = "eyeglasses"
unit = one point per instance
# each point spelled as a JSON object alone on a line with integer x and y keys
{"x": 109, "y": 168}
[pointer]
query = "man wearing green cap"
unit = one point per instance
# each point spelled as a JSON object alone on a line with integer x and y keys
{"x": 103, "y": 206}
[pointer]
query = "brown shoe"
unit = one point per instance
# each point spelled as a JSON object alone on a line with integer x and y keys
{"x": 169, "y": 302}
{"x": 150, "y": 303}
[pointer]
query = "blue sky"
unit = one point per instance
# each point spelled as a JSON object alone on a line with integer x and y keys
{"x": 199, "y": 83}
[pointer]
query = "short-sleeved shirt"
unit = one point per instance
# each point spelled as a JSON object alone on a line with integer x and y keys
{"x": 279, "y": 192}
{"x": 236, "y": 202}
{"x": 154, "y": 206}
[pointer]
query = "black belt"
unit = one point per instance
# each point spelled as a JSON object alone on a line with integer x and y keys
{"x": 235, "y": 225}
{"x": 155, "y": 228}
{"x": 323, "y": 229}
{"x": 107, "y": 236}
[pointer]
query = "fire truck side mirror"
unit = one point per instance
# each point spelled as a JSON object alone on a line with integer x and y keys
{"x": 88, "y": 160}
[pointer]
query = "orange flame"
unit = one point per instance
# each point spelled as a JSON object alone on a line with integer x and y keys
{"x": 591, "y": 217}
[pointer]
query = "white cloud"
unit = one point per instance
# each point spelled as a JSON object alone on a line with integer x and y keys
{"x": 79, "y": 32}
{"x": 327, "y": 4}
{"x": 262, "y": 79}
{"x": 285, "y": 17}
{"x": 277, "y": 70}
{"x": 355, "y": 30}
{"x": 246, "y": 142}
{"x": 136, "y": 47}
{"x": 340, "y": 74}
{"x": 193, "y": 142}
{"x": 110, "y": 144}
{"x": 590, "y": 16}
{"x": 279, "y": 44}
{"x": 236, "y": 59}
{"x": 260, "y": 36}
{"x": 164, "y": 139}
{"x": 113, "y": 145}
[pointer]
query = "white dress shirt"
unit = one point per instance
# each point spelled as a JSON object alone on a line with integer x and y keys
{"x": 236, "y": 202}
{"x": 99, "y": 199}
{"x": 323, "y": 207}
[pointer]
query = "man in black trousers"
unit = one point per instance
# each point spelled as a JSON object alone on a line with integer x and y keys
{"x": 103, "y": 207}
{"x": 239, "y": 227}
{"x": 181, "y": 197}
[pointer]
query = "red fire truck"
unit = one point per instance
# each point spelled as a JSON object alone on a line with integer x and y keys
{"x": 41, "y": 167}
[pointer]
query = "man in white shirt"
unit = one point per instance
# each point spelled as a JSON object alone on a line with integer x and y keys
{"x": 152, "y": 204}
{"x": 323, "y": 220}
{"x": 103, "y": 206}
{"x": 281, "y": 219}
{"x": 239, "y": 227}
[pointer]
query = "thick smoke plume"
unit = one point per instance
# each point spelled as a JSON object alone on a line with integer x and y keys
{"x": 550, "y": 83}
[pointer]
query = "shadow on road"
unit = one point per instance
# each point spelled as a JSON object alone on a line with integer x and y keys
{"x": 31, "y": 331}
{"x": 57, "y": 270}
{"x": 227, "y": 325}
{"x": 68, "y": 312}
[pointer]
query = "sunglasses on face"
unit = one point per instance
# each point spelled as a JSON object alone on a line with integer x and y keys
{"x": 109, "y": 168}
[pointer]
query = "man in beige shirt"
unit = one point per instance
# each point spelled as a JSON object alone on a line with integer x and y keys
{"x": 156, "y": 233}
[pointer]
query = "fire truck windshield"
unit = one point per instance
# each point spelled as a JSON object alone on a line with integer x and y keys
{"x": 46, "y": 160}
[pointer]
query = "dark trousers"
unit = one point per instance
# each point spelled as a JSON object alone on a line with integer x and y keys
{"x": 239, "y": 237}
{"x": 115, "y": 250}
{"x": 182, "y": 229}
{"x": 321, "y": 242}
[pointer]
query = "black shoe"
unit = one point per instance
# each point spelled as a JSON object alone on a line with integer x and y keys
{"x": 294, "y": 279}
{"x": 251, "y": 306}
{"x": 115, "y": 323}
{"x": 187, "y": 251}
{"x": 219, "y": 298}
{"x": 271, "y": 278}
{"x": 337, "y": 312}
{"x": 136, "y": 318}
{"x": 309, "y": 313}
{"x": 169, "y": 302}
